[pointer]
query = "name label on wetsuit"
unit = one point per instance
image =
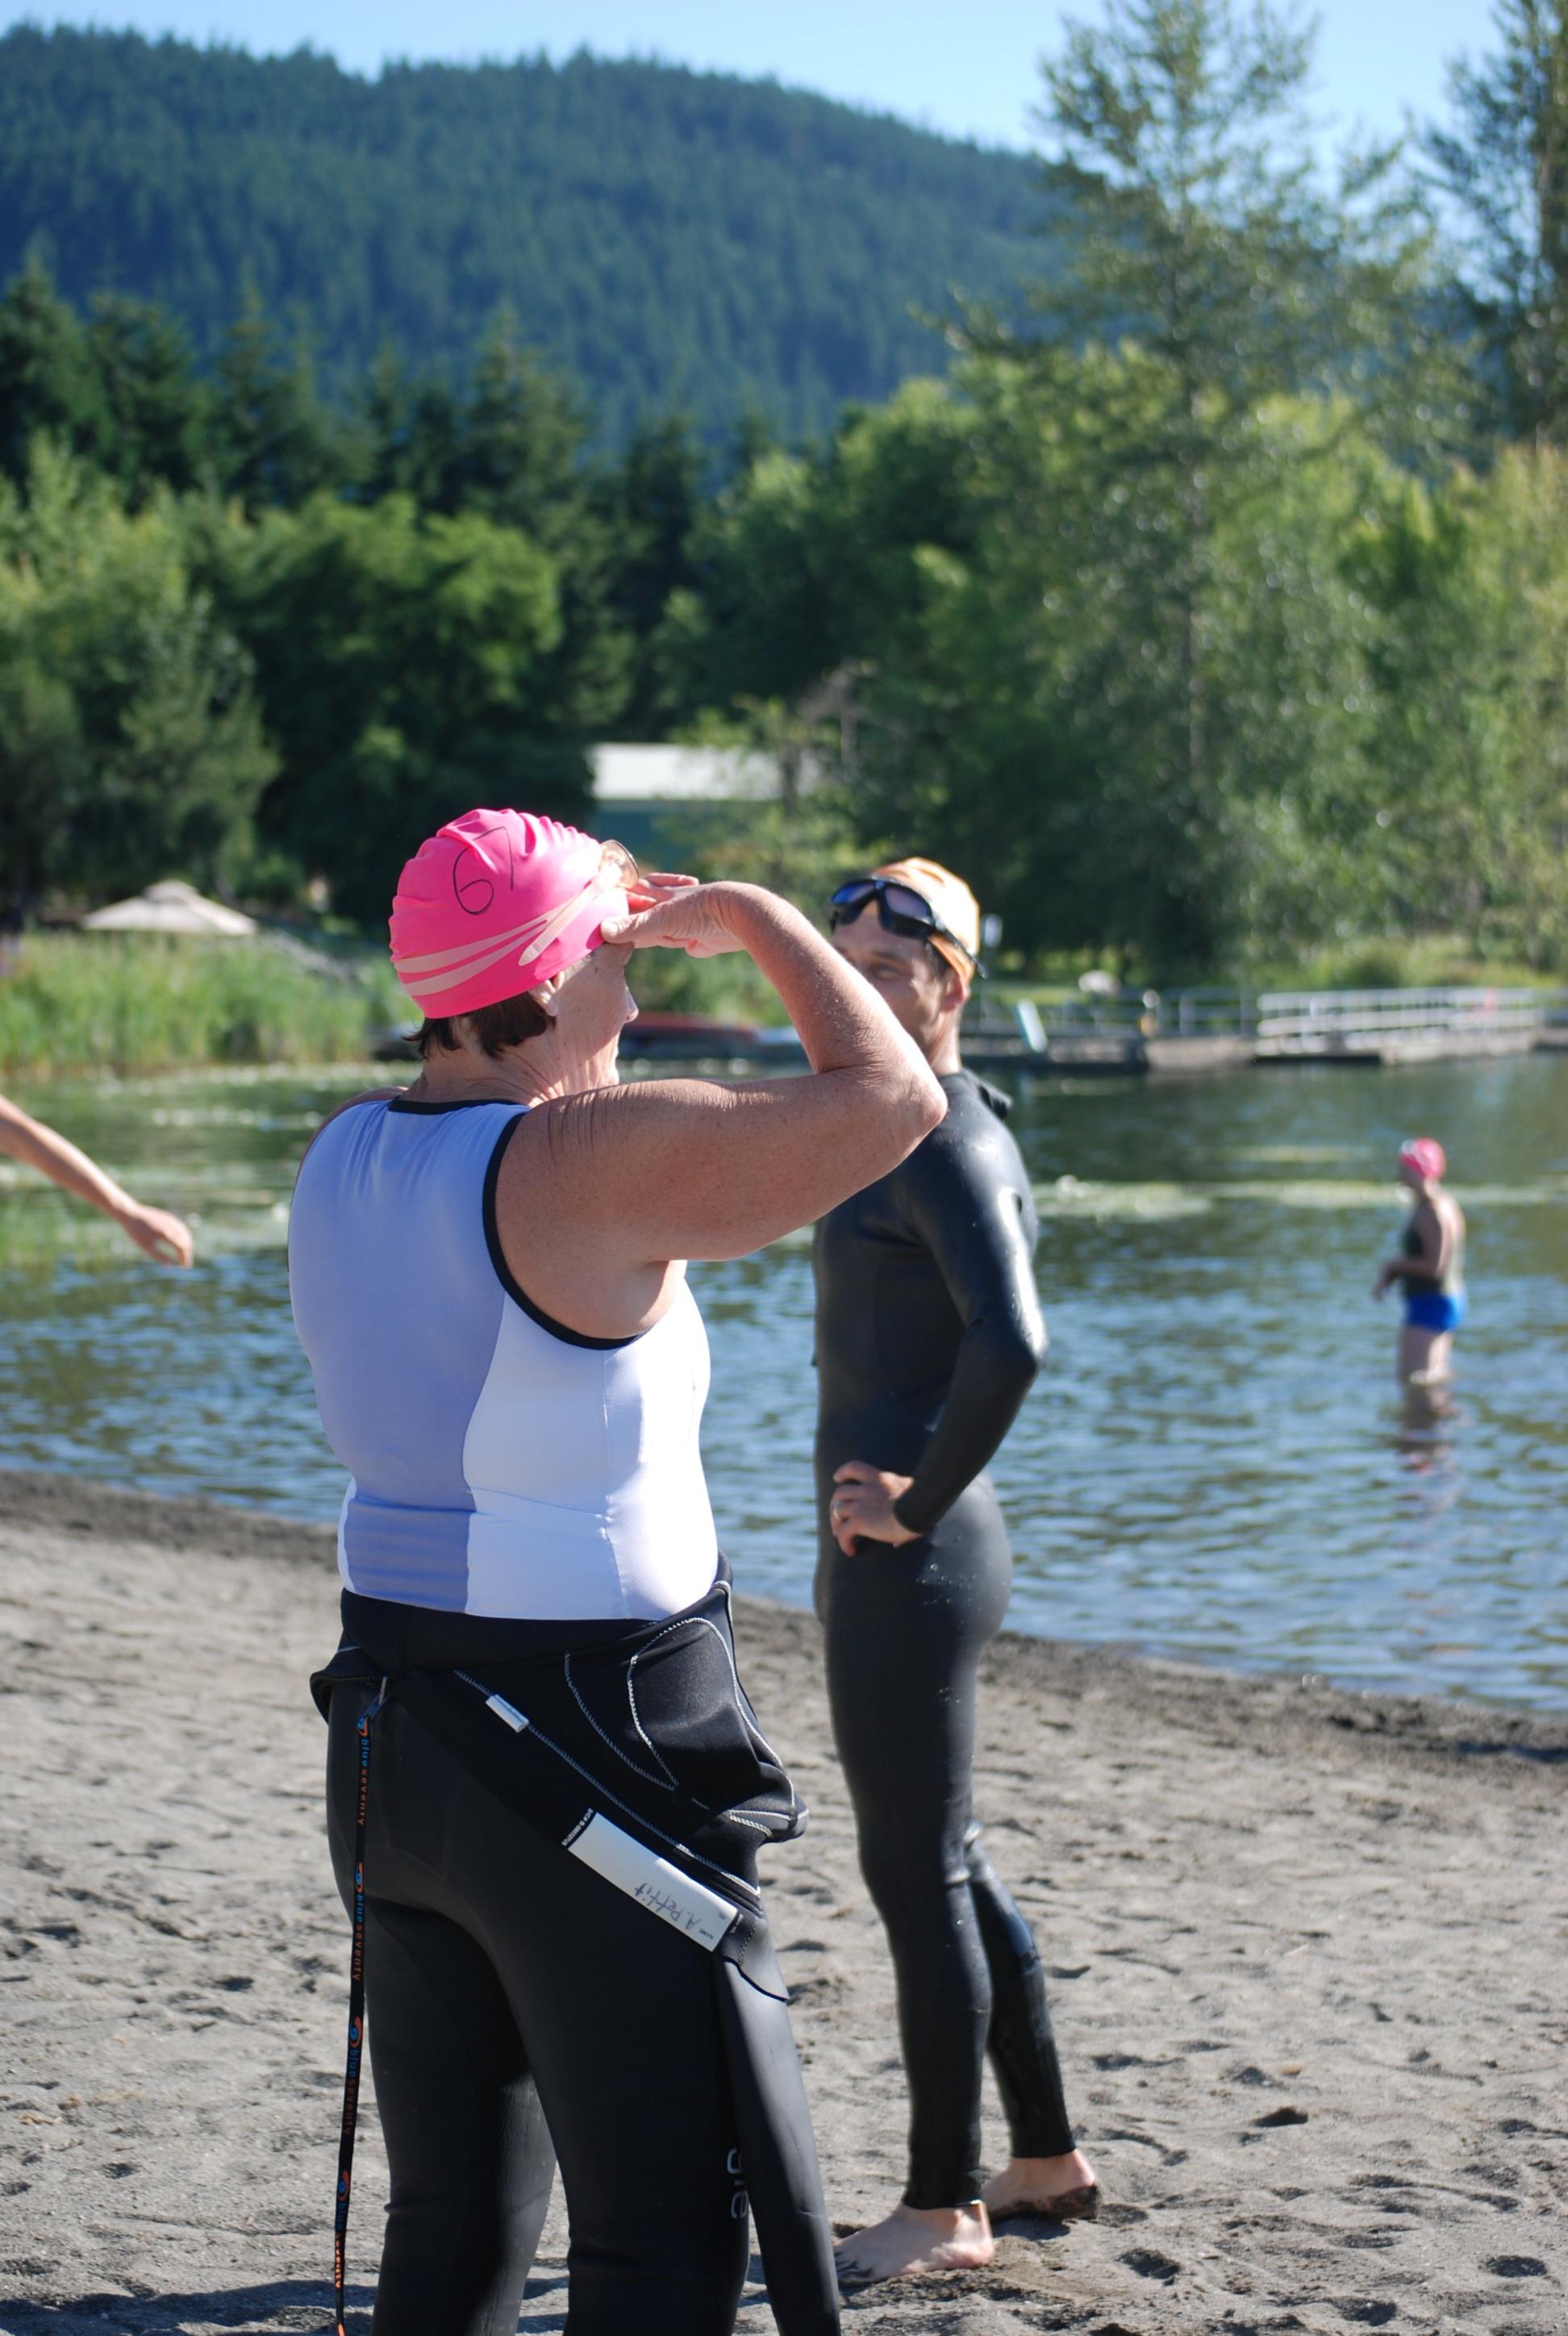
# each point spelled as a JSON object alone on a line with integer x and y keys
{"x": 700, "y": 1913}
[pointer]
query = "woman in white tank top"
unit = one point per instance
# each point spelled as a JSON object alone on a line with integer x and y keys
{"x": 488, "y": 1277}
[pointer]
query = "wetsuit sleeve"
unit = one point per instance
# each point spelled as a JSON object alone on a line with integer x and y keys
{"x": 965, "y": 1210}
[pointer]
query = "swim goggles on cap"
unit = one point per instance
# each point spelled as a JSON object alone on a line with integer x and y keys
{"x": 617, "y": 873}
{"x": 900, "y": 909}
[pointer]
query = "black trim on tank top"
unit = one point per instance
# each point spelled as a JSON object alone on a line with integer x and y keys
{"x": 503, "y": 1272}
{"x": 468, "y": 1102}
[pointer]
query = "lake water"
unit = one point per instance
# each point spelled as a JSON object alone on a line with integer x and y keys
{"x": 1217, "y": 1465}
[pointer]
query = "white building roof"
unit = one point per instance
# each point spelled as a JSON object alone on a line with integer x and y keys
{"x": 649, "y": 774}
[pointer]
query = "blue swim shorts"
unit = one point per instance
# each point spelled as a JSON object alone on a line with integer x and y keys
{"x": 1435, "y": 1312}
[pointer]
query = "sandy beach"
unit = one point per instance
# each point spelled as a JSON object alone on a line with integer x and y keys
{"x": 1308, "y": 1954}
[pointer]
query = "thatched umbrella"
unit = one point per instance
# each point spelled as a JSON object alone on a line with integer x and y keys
{"x": 171, "y": 907}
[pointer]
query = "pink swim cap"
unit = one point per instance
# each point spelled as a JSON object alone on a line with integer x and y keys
{"x": 1426, "y": 1156}
{"x": 496, "y": 902}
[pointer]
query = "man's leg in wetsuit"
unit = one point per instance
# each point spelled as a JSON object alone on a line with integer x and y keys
{"x": 564, "y": 1982}
{"x": 904, "y": 1631}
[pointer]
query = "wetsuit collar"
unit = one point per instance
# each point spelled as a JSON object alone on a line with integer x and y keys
{"x": 999, "y": 1103}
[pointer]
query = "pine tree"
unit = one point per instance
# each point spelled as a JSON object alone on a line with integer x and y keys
{"x": 272, "y": 443}
{"x": 155, "y": 408}
{"x": 1505, "y": 165}
{"x": 523, "y": 432}
{"x": 49, "y": 383}
{"x": 652, "y": 502}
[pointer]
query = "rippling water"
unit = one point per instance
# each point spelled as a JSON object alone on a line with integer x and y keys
{"x": 1217, "y": 1465}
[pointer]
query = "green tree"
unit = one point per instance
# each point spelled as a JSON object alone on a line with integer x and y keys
{"x": 271, "y": 442}
{"x": 1217, "y": 275}
{"x": 45, "y": 766}
{"x": 1505, "y": 165}
{"x": 48, "y": 382}
{"x": 808, "y": 566}
{"x": 403, "y": 661}
{"x": 651, "y": 502}
{"x": 1012, "y": 687}
{"x": 520, "y": 438}
{"x": 1469, "y": 747}
{"x": 155, "y": 409}
{"x": 131, "y": 745}
{"x": 405, "y": 435}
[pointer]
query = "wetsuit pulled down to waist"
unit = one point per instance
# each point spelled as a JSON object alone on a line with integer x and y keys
{"x": 648, "y": 1722}
{"x": 594, "y": 1901}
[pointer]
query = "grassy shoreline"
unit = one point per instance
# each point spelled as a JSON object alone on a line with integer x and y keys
{"x": 134, "y": 1003}
{"x": 137, "y": 1002}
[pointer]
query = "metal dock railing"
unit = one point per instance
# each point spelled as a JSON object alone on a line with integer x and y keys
{"x": 1384, "y": 1025}
{"x": 1212, "y": 1027}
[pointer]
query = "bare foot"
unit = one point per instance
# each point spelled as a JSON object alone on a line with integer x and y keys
{"x": 916, "y": 2238}
{"x": 1044, "y": 2185}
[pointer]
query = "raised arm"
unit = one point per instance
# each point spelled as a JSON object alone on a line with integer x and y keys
{"x": 967, "y": 1214}
{"x": 156, "y": 1232}
{"x": 632, "y": 1177}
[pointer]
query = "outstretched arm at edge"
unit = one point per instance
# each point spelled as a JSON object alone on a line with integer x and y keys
{"x": 154, "y": 1231}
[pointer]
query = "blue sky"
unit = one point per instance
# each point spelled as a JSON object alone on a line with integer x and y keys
{"x": 962, "y": 65}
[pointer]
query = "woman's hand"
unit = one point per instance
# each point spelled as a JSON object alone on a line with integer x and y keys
{"x": 685, "y": 915}
{"x": 1386, "y": 1274}
{"x": 861, "y": 1507}
{"x": 157, "y": 1234}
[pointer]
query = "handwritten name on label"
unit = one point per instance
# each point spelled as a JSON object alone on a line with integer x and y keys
{"x": 697, "y": 1922}
{"x": 674, "y": 1897}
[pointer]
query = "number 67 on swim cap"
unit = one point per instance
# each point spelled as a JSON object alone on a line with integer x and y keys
{"x": 497, "y": 901}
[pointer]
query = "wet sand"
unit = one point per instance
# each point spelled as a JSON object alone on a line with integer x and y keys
{"x": 1309, "y": 1957}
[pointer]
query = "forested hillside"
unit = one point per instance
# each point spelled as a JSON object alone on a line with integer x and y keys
{"x": 1220, "y": 613}
{"x": 670, "y": 239}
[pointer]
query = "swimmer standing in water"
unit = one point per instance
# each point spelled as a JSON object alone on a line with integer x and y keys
{"x": 928, "y": 1335}
{"x": 545, "y": 1787}
{"x": 1430, "y": 1266}
{"x": 158, "y": 1233}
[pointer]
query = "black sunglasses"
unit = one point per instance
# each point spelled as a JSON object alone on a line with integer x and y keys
{"x": 900, "y": 909}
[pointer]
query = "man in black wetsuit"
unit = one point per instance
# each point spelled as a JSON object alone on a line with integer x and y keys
{"x": 928, "y": 1334}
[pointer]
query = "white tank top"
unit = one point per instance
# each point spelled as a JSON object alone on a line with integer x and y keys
{"x": 500, "y": 1463}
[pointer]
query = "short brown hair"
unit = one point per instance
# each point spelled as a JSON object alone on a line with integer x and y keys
{"x": 496, "y": 1027}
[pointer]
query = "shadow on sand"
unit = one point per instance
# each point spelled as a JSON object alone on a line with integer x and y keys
{"x": 267, "y": 2309}
{"x": 301, "y": 2307}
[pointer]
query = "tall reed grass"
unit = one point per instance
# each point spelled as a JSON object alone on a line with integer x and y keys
{"x": 142, "y": 1002}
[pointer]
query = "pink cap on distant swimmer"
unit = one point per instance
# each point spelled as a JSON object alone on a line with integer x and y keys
{"x": 494, "y": 903}
{"x": 1426, "y": 1156}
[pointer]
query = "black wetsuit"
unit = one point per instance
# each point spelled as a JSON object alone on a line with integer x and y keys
{"x": 503, "y": 1976}
{"x": 928, "y": 1334}
{"x": 509, "y": 1983}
